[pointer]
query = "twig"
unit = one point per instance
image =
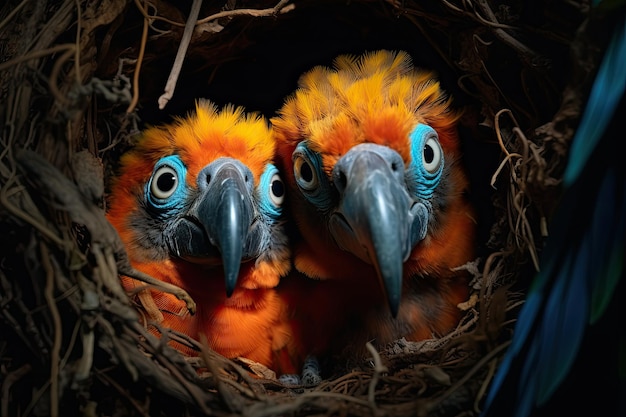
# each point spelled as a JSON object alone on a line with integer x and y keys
{"x": 522, "y": 224}
{"x": 493, "y": 365}
{"x": 239, "y": 387}
{"x": 244, "y": 374}
{"x": 71, "y": 343}
{"x": 159, "y": 285}
{"x": 9, "y": 380}
{"x": 13, "y": 12}
{"x": 79, "y": 24}
{"x": 190, "y": 388}
{"x": 281, "y": 7}
{"x": 215, "y": 372}
{"x": 347, "y": 377}
{"x": 123, "y": 391}
{"x": 147, "y": 301}
{"x": 453, "y": 7}
{"x": 123, "y": 355}
{"x": 142, "y": 49}
{"x": 37, "y": 54}
{"x": 54, "y": 74}
{"x": 265, "y": 410}
{"x": 180, "y": 54}
{"x": 36, "y": 397}
{"x": 16, "y": 211}
{"x": 56, "y": 319}
{"x": 181, "y": 338}
{"x": 527, "y": 54}
{"x": 379, "y": 369}
{"x": 492, "y": 21}
{"x": 146, "y": 16}
{"x": 458, "y": 384}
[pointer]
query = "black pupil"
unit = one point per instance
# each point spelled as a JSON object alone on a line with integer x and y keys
{"x": 429, "y": 155}
{"x": 306, "y": 173}
{"x": 278, "y": 189}
{"x": 166, "y": 181}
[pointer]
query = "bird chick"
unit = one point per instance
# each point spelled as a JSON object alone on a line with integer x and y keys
{"x": 198, "y": 204}
{"x": 379, "y": 198}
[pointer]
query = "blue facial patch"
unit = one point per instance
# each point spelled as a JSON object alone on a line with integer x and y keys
{"x": 166, "y": 191}
{"x": 307, "y": 170}
{"x": 426, "y": 161}
{"x": 271, "y": 192}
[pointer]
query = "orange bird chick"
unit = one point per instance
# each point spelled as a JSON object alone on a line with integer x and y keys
{"x": 198, "y": 204}
{"x": 379, "y": 196}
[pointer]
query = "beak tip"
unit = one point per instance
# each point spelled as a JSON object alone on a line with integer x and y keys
{"x": 392, "y": 284}
{"x": 394, "y": 306}
{"x": 231, "y": 282}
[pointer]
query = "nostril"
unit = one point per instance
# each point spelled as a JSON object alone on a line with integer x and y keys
{"x": 341, "y": 181}
{"x": 394, "y": 166}
{"x": 208, "y": 178}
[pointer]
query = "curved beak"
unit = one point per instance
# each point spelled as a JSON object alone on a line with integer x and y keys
{"x": 226, "y": 212}
{"x": 377, "y": 220}
{"x": 215, "y": 229}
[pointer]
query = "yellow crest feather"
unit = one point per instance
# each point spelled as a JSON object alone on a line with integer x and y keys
{"x": 376, "y": 97}
{"x": 204, "y": 136}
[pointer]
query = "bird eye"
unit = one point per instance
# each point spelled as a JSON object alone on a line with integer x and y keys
{"x": 427, "y": 161}
{"x": 432, "y": 155}
{"x": 271, "y": 192}
{"x": 164, "y": 182}
{"x": 166, "y": 190}
{"x": 310, "y": 176}
{"x": 277, "y": 190}
{"x": 304, "y": 173}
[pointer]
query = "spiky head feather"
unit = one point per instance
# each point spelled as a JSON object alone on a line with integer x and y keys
{"x": 378, "y": 97}
{"x": 202, "y": 137}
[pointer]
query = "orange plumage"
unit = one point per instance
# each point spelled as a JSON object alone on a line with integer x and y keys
{"x": 379, "y": 197}
{"x": 166, "y": 202}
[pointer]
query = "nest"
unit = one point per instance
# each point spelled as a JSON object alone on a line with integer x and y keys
{"x": 79, "y": 79}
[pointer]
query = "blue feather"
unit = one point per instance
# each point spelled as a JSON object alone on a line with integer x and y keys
{"x": 611, "y": 269}
{"x": 562, "y": 329}
{"x": 584, "y": 258}
{"x": 605, "y": 94}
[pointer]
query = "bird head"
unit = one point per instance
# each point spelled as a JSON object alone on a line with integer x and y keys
{"x": 370, "y": 153}
{"x": 202, "y": 193}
